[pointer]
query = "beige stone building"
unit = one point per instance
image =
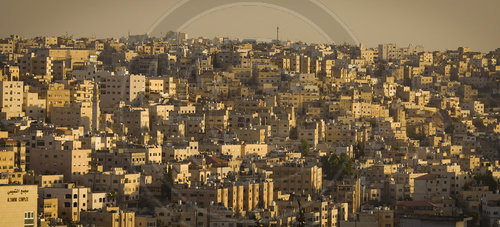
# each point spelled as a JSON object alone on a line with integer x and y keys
{"x": 180, "y": 152}
{"x": 36, "y": 65}
{"x": 17, "y": 148}
{"x": 7, "y": 46}
{"x": 241, "y": 197}
{"x": 242, "y": 150}
{"x": 182, "y": 214}
{"x": 11, "y": 98}
{"x": 71, "y": 200}
{"x": 125, "y": 185}
{"x": 126, "y": 158}
{"x": 10, "y": 72}
{"x": 45, "y": 181}
{"x": 430, "y": 185}
{"x": 132, "y": 121}
{"x": 119, "y": 87}
{"x": 110, "y": 216}
{"x": 19, "y": 205}
{"x": 72, "y": 163}
{"x": 57, "y": 96}
{"x": 7, "y": 161}
{"x": 74, "y": 57}
{"x": 217, "y": 119}
{"x": 34, "y": 106}
{"x": 73, "y": 115}
{"x": 297, "y": 178}
{"x": 47, "y": 209}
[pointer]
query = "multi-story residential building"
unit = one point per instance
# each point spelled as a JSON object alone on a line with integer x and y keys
{"x": 72, "y": 163}
{"x": 11, "y": 98}
{"x": 71, "y": 200}
{"x": 125, "y": 185}
{"x": 57, "y": 96}
{"x": 110, "y": 216}
{"x": 33, "y": 106}
{"x": 297, "y": 178}
{"x": 121, "y": 87}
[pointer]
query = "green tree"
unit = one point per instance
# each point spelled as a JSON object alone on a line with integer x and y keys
{"x": 487, "y": 179}
{"x": 112, "y": 196}
{"x": 337, "y": 166}
{"x": 359, "y": 149}
{"x": 304, "y": 147}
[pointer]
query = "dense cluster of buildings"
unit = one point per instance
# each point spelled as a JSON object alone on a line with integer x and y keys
{"x": 179, "y": 131}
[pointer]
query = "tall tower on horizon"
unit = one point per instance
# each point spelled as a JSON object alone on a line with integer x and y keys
{"x": 277, "y": 33}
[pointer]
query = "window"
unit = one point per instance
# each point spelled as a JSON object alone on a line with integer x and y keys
{"x": 29, "y": 219}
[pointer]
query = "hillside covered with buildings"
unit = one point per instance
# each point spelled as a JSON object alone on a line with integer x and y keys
{"x": 180, "y": 131}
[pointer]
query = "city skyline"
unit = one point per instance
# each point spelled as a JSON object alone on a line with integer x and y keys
{"x": 437, "y": 25}
{"x": 250, "y": 113}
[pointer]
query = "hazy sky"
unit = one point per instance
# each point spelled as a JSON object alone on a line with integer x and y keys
{"x": 436, "y": 24}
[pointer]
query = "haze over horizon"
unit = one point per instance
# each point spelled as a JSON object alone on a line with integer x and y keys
{"x": 437, "y": 25}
